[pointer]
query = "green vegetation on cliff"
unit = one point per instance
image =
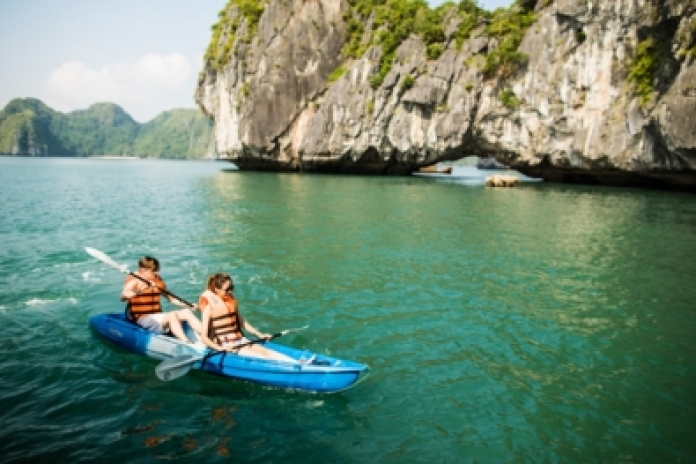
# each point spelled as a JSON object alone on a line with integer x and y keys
{"x": 336, "y": 74}
{"x": 508, "y": 98}
{"x": 508, "y": 27}
{"x": 644, "y": 67}
{"x": 387, "y": 24}
{"x": 391, "y": 22}
{"x": 29, "y": 127}
{"x": 225, "y": 30}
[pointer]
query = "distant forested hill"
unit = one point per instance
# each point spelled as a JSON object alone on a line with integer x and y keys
{"x": 30, "y": 128}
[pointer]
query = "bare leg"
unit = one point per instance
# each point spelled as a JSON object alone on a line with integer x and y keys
{"x": 258, "y": 351}
{"x": 186, "y": 315}
{"x": 175, "y": 327}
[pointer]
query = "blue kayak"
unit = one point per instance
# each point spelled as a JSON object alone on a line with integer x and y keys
{"x": 325, "y": 374}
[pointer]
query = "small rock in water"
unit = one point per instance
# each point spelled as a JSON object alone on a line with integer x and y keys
{"x": 502, "y": 181}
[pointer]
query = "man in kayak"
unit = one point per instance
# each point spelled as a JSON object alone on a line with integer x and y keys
{"x": 222, "y": 324}
{"x": 144, "y": 306}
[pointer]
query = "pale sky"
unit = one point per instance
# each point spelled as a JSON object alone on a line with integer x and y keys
{"x": 143, "y": 55}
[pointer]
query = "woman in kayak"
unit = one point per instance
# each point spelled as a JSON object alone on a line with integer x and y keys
{"x": 222, "y": 324}
{"x": 144, "y": 306}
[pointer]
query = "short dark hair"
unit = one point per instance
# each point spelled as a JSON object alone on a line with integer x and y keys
{"x": 148, "y": 262}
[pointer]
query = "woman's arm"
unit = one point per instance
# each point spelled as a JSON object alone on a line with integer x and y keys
{"x": 247, "y": 327}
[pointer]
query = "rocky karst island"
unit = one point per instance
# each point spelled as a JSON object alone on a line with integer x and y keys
{"x": 572, "y": 91}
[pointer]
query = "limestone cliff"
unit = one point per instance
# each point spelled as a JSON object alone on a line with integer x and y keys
{"x": 596, "y": 91}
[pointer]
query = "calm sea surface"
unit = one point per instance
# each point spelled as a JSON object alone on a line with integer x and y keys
{"x": 536, "y": 324}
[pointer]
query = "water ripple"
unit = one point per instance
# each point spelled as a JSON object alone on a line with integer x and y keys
{"x": 542, "y": 323}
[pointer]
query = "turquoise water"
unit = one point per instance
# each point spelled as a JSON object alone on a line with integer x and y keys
{"x": 541, "y": 323}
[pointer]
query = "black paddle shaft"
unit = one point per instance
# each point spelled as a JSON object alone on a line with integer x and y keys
{"x": 251, "y": 342}
{"x": 258, "y": 340}
{"x": 263, "y": 340}
{"x": 166, "y": 292}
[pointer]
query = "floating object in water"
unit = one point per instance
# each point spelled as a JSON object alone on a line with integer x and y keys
{"x": 502, "y": 181}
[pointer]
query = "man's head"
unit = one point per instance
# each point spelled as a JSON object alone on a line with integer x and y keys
{"x": 149, "y": 263}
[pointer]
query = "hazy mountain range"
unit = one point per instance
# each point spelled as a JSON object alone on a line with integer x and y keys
{"x": 28, "y": 127}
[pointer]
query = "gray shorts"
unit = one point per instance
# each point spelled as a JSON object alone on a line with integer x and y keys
{"x": 154, "y": 323}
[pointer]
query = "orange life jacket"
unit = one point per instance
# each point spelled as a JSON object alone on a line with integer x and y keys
{"x": 147, "y": 302}
{"x": 224, "y": 317}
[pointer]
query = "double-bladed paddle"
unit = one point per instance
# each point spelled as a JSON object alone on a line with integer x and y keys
{"x": 104, "y": 258}
{"x": 174, "y": 368}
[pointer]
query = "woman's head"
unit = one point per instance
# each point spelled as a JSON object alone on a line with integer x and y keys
{"x": 149, "y": 263}
{"x": 219, "y": 281}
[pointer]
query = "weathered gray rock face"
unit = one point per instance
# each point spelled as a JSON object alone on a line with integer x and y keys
{"x": 578, "y": 117}
{"x": 581, "y": 120}
{"x": 262, "y": 101}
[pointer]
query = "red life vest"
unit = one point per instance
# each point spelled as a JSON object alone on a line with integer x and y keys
{"x": 147, "y": 302}
{"x": 224, "y": 317}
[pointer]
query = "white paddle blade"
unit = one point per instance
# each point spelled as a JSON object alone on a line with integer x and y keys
{"x": 101, "y": 256}
{"x": 285, "y": 332}
{"x": 174, "y": 368}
